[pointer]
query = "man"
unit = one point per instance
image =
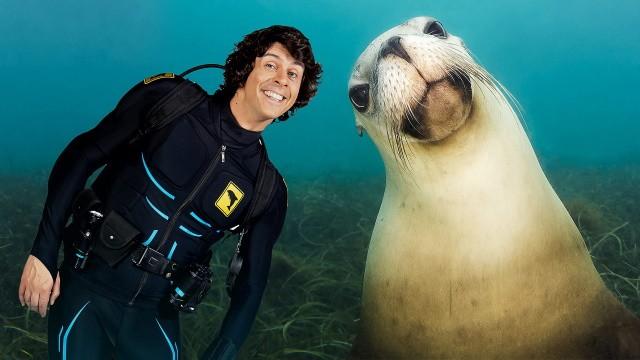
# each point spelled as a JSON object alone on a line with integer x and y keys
{"x": 178, "y": 189}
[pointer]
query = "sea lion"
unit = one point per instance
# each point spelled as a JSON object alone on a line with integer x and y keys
{"x": 472, "y": 255}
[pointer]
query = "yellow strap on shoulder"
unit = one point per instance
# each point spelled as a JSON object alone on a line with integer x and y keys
{"x": 159, "y": 76}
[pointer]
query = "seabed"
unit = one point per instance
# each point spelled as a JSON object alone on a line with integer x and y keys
{"x": 311, "y": 305}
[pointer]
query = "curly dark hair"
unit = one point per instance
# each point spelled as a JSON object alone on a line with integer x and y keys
{"x": 240, "y": 62}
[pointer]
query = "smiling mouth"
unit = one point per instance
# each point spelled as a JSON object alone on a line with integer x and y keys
{"x": 274, "y": 95}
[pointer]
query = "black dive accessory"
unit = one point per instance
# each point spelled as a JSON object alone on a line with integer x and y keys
{"x": 153, "y": 261}
{"x": 191, "y": 285}
{"x": 115, "y": 239}
{"x": 98, "y": 230}
{"x": 87, "y": 218}
{"x": 235, "y": 265}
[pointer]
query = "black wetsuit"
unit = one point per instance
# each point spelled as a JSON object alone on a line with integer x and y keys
{"x": 203, "y": 155}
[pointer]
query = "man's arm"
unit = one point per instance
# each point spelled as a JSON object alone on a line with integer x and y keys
{"x": 84, "y": 155}
{"x": 252, "y": 280}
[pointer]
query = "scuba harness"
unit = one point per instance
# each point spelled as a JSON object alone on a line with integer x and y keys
{"x": 113, "y": 240}
{"x": 177, "y": 102}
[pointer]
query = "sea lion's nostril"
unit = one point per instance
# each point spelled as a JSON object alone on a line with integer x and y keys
{"x": 435, "y": 28}
{"x": 359, "y": 96}
{"x": 393, "y": 46}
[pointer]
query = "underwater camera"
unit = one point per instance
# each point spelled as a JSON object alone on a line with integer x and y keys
{"x": 190, "y": 287}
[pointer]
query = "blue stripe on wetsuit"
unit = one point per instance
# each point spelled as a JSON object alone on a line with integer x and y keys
{"x": 162, "y": 215}
{"x": 189, "y": 231}
{"x": 199, "y": 219}
{"x": 173, "y": 248}
{"x": 59, "y": 335}
{"x": 154, "y": 181}
{"x": 66, "y": 333}
{"x": 148, "y": 241}
{"x": 174, "y": 355}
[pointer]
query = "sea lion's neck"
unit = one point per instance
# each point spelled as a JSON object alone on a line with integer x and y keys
{"x": 485, "y": 176}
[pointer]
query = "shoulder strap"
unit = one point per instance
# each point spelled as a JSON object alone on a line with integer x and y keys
{"x": 177, "y": 102}
{"x": 263, "y": 192}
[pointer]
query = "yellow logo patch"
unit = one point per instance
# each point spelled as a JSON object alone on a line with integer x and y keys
{"x": 159, "y": 76}
{"x": 229, "y": 199}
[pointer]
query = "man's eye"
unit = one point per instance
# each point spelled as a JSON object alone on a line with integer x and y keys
{"x": 293, "y": 75}
{"x": 270, "y": 66}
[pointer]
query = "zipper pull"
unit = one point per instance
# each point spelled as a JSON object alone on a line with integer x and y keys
{"x": 224, "y": 147}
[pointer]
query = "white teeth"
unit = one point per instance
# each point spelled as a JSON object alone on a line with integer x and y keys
{"x": 274, "y": 95}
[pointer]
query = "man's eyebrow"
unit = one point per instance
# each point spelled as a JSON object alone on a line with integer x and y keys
{"x": 295, "y": 62}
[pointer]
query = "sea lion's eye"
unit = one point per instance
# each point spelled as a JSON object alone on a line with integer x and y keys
{"x": 436, "y": 29}
{"x": 359, "y": 96}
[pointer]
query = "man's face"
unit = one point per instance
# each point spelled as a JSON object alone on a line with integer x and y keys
{"x": 272, "y": 86}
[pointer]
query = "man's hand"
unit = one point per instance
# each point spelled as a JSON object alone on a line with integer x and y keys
{"x": 35, "y": 286}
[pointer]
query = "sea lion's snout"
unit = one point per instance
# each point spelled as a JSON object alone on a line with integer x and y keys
{"x": 413, "y": 84}
{"x": 417, "y": 83}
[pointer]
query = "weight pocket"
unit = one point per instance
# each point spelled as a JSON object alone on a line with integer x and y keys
{"x": 115, "y": 239}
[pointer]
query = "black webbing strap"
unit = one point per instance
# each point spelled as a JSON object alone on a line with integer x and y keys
{"x": 177, "y": 102}
{"x": 155, "y": 262}
{"x": 263, "y": 191}
{"x": 203, "y": 66}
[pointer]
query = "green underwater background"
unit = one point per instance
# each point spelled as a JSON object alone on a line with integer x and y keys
{"x": 574, "y": 66}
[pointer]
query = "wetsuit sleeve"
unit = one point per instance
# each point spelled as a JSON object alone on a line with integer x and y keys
{"x": 252, "y": 280}
{"x": 82, "y": 156}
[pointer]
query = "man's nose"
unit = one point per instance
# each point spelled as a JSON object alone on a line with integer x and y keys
{"x": 281, "y": 77}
